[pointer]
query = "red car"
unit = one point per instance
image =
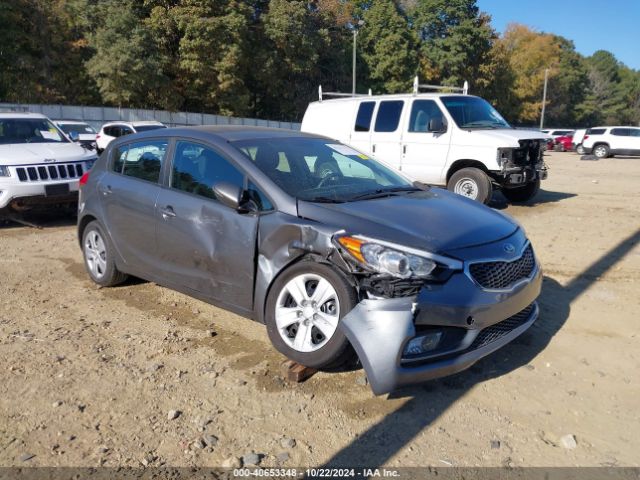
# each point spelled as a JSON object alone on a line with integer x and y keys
{"x": 563, "y": 144}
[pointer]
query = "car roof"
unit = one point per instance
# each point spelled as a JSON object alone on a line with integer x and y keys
{"x": 71, "y": 121}
{"x": 134, "y": 123}
{"x": 21, "y": 115}
{"x": 226, "y": 133}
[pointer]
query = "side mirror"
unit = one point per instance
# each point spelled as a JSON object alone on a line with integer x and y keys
{"x": 228, "y": 194}
{"x": 436, "y": 125}
{"x": 74, "y": 136}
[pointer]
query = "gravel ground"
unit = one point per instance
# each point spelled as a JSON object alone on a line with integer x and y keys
{"x": 140, "y": 375}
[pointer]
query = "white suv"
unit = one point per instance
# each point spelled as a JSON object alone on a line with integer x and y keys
{"x": 38, "y": 163}
{"x": 460, "y": 141}
{"x": 606, "y": 142}
{"x": 113, "y": 130}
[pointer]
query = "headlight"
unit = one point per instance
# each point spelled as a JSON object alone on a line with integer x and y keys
{"x": 382, "y": 258}
{"x": 4, "y": 171}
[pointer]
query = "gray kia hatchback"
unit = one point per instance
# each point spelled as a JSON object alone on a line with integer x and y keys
{"x": 335, "y": 252}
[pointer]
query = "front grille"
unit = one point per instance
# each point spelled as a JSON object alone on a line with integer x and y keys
{"x": 501, "y": 275}
{"x": 495, "y": 332}
{"x": 39, "y": 173}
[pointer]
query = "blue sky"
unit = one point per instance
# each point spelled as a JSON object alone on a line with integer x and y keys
{"x": 612, "y": 25}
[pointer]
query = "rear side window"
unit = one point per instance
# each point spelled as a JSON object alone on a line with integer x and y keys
{"x": 635, "y": 132}
{"x": 196, "y": 169}
{"x": 621, "y": 132}
{"x": 422, "y": 111}
{"x": 142, "y": 160}
{"x": 596, "y": 131}
{"x": 388, "y": 116}
{"x": 365, "y": 114}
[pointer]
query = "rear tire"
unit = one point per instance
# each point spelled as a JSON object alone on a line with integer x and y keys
{"x": 580, "y": 149}
{"x": 472, "y": 183}
{"x": 601, "y": 150}
{"x": 99, "y": 257}
{"x": 522, "y": 194}
{"x": 303, "y": 311}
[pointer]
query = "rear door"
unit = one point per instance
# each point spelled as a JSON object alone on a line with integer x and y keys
{"x": 204, "y": 245}
{"x": 129, "y": 191}
{"x": 424, "y": 152}
{"x": 621, "y": 140}
{"x": 385, "y": 139}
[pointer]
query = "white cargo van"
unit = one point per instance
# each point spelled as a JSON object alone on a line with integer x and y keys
{"x": 449, "y": 139}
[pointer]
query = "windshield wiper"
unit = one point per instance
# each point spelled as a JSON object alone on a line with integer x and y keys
{"x": 323, "y": 200}
{"x": 384, "y": 192}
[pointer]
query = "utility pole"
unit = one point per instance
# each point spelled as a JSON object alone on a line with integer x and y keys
{"x": 355, "y": 35}
{"x": 544, "y": 97}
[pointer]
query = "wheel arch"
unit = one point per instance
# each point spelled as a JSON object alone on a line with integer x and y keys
{"x": 465, "y": 163}
{"x": 82, "y": 224}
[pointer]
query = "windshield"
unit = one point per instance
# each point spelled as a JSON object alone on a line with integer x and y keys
{"x": 76, "y": 127}
{"x": 473, "y": 112}
{"x": 29, "y": 130}
{"x": 320, "y": 170}
{"x": 146, "y": 128}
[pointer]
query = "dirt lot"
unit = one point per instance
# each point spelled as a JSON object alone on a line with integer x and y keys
{"x": 88, "y": 376}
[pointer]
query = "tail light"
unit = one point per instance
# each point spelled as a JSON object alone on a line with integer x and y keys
{"x": 83, "y": 179}
{"x": 585, "y": 137}
{"x": 97, "y": 136}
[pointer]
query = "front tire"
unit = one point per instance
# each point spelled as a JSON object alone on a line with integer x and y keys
{"x": 99, "y": 257}
{"x": 472, "y": 183}
{"x": 303, "y": 310}
{"x": 601, "y": 151}
{"x": 524, "y": 193}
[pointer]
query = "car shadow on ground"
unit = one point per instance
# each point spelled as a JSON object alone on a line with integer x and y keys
{"x": 38, "y": 219}
{"x": 499, "y": 202}
{"x": 429, "y": 401}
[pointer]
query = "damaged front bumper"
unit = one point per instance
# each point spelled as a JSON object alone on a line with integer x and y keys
{"x": 470, "y": 321}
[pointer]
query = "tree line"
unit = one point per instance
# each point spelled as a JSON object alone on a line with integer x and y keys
{"x": 266, "y": 58}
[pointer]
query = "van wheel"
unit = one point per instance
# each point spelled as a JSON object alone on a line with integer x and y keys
{"x": 580, "y": 149}
{"x": 472, "y": 183}
{"x": 524, "y": 193}
{"x": 98, "y": 257}
{"x": 303, "y": 310}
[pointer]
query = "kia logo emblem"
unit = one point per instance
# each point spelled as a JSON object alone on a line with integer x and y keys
{"x": 509, "y": 248}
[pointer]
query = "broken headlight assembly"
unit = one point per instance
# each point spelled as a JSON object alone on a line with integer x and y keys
{"x": 395, "y": 260}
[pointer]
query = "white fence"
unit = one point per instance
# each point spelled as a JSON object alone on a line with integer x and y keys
{"x": 97, "y": 116}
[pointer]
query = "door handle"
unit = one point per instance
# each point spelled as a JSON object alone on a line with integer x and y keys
{"x": 167, "y": 212}
{"x": 106, "y": 190}
{"x": 373, "y": 148}
{"x": 404, "y": 149}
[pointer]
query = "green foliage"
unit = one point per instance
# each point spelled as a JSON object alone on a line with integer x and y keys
{"x": 266, "y": 58}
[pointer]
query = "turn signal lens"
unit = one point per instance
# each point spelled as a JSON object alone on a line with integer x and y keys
{"x": 353, "y": 247}
{"x": 83, "y": 179}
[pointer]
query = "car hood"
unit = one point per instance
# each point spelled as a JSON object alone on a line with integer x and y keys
{"x": 30, "y": 153}
{"x": 502, "y": 137}
{"x": 435, "y": 220}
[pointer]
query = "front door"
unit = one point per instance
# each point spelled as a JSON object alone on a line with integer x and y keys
{"x": 386, "y": 136}
{"x": 129, "y": 191}
{"x": 204, "y": 245}
{"x": 424, "y": 152}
